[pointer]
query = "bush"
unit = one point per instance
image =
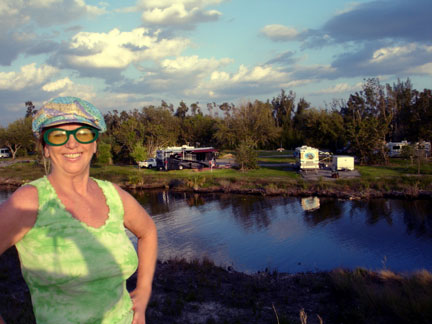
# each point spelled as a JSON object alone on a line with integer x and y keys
{"x": 139, "y": 153}
{"x": 104, "y": 156}
{"x": 246, "y": 155}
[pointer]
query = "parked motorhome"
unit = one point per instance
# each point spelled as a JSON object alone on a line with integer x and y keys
{"x": 307, "y": 158}
{"x": 185, "y": 157}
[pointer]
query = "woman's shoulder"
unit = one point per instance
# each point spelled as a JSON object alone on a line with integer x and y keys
{"x": 26, "y": 197}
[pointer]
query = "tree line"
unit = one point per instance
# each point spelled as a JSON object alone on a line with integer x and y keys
{"x": 360, "y": 125}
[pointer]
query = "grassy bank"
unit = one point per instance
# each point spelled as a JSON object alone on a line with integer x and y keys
{"x": 398, "y": 179}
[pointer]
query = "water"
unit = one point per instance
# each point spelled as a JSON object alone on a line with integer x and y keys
{"x": 290, "y": 234}
{"x": 252, "y": 233}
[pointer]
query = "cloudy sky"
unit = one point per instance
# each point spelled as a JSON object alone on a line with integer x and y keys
{"x": 130, "y": 53}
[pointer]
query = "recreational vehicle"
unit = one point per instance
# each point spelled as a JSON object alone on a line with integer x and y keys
{"x": 395, "y": 148}
{"x": 185, "y": 157}
{"x": 307, "y": 158}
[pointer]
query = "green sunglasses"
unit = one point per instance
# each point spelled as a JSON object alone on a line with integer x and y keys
{"x": 58, "y": 136}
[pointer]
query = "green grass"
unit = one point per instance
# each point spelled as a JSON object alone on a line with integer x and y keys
{"x": 274, "y": 153}
{"x": 398, "y": 175}
{"x": 396, "y": 167}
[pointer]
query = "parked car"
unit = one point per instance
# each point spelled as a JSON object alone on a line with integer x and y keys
{"x": 149, "y": 163}
{"x": 5, "y": 153}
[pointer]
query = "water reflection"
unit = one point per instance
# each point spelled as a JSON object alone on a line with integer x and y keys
{"x": 329, "y": 210}
{"x": 291, "y": 234}
{"x": 310, "y": 203}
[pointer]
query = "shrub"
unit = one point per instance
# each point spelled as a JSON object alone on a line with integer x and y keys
{"x": 104, "y": 156}
{"x": 246, "y": 156}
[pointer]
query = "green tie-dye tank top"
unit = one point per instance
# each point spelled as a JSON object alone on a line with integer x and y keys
{"x": 77, "y": 273}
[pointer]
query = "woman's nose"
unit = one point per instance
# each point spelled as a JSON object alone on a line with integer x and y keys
{"x": 71, "y": 142}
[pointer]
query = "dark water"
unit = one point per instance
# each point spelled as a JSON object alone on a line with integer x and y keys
{"x": 253, "y": 233}
{"x": 291, "y": 234}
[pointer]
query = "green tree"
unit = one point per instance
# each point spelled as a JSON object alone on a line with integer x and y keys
{"x": 128, "y": 133}
{"x": 246, "y": 156}
{"x": 283, "y": 108}
{"x": 252, "y": 121}
{"x": 161, "y": 128}
{"x": 367, "y": 119}
{"x": 198, "y": 128}
{"x": 182, "y": 110}
{"x": 321, "y": 128}
{"x": 30, "y": 109}
{"x": 18, "y": 135}
{"x": 104, "y": 155}
{"x": 139, "y": 153}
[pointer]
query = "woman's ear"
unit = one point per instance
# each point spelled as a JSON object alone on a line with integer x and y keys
{"x": 95, "y": 147}
{"x": 46, "y": 152}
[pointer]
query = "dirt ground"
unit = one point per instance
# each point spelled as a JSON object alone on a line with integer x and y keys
{"x": 199, "y": 292}
{"x": 328, "y": 174}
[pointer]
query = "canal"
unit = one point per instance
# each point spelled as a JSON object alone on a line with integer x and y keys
{"x": 254, "y": 233}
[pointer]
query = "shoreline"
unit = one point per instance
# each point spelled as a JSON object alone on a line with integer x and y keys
{"x": 347, "y": 192}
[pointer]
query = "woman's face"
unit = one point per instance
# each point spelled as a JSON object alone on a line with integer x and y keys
{"x": 72, "y": 157}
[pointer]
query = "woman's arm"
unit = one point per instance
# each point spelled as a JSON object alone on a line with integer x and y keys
{"x": 142, "y": 226}
{"x": 17, "y": 216}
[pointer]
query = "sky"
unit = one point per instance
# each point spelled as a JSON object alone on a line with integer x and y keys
{"x": 127, "y": 54}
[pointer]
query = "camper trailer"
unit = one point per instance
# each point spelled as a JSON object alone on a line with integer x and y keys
{"x": 307, "y": 158}
{"x": 395, "y": 148}
{"x": 342, "y": 162}
{"x": 5, "y": 152}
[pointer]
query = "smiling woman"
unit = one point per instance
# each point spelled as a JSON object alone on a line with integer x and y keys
{"x": 69, "y": 229}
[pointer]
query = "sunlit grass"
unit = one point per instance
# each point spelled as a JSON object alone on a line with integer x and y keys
{"x": 396, "y": 167}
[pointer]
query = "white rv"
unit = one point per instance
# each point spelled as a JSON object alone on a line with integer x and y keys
{"x": 307, "y": 158}
{"x": 5, "y": 152}
{"x": 395, "y": 148}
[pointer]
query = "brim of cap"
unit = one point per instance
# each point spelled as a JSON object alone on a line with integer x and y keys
{"x": 70, "y": 121}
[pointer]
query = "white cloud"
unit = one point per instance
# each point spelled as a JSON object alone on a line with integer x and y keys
{"x": 257, "y": 74}
{"x": 57, "y": 85}
{"x": 150, "y": 4}
{"x": 422, "y": 69}
{"x": 66, "y": 87}
{"x": 390, "y": 53}
{"x": 192, "y": 64}
{"x": 44, "y": 12}
{"x": 339, "y": 88}
{"x": 177, "y": 12}
{"x": 29, "y": 76}
{"x": 117, "y": 49}
{"x": 280, "y": 32}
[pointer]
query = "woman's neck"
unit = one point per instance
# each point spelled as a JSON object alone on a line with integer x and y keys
{"x": 70, "y": 183}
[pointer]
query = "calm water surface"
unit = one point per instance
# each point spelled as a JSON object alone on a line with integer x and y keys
{"x": 291, "y": 234}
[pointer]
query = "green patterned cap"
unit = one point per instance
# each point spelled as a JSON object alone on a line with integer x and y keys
{"x": 67, "y": 110}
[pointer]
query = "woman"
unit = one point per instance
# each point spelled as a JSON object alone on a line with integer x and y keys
{"x": 69, "y": 229}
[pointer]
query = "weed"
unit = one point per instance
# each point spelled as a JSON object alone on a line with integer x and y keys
{"x": 195, "y": 182}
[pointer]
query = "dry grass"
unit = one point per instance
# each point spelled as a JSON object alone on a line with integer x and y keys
{"x": 384, "y": 296}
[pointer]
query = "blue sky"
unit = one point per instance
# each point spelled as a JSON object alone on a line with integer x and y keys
{"x": 131, "y": 53}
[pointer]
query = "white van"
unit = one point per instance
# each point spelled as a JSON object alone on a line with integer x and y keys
{"x": 4, "y": 152}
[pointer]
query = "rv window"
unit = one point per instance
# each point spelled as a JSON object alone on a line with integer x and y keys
{"x": 396, "y": 147}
